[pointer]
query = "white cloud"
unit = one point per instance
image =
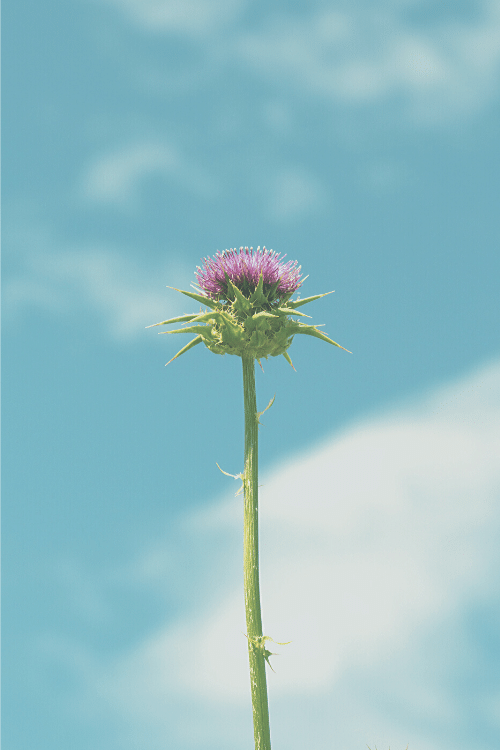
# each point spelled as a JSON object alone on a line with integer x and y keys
{"x": 116, "y": 176}
{"x": 373, "y": 547}
{"x": 292, "y": 194}
{"x": 384, "y": 176}
{"x": 369, "y": 54}
{"x": 356, "y": 54}
{"x": 191, "y": 17}
{"x": 127, "y": 294}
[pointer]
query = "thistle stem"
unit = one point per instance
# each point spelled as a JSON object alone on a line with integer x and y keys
{"x": 256, "y": 648}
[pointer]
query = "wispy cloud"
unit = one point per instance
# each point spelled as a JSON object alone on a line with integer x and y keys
{"x": 126, "y": 293}
{"x": 119, "y": 178}
{"x": 292, "y": 194}
{"x": 370, "y": 54}
{"x": 191, "y": 17}
{"x": 354, "y": 55}
{"x": 375, "y": 548}
{"x": 115, "y": 177}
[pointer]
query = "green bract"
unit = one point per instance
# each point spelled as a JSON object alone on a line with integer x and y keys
{"x": 247, "y": 326}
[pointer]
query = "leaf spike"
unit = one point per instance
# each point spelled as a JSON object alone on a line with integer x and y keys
{"x": 273, "y": 289}
{"x": 258, "y": 289}
{"x": 212, "y": 315}
{"x": 234, "y": 476}
{"x": 310, "y": 331}
{"x": 186, "y": 348}
{"x": 188, "y": 329}
{"x": 299, "y": 302}
{"x": 239, "y": 296}
{"x": 180, "y": 319}
{"x": 290, "y": 311}
{"x": 198, "y": 297}
{"x": 260, "y": 413}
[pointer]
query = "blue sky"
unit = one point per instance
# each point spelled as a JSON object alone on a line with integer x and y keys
{"x": 360, "y": 139}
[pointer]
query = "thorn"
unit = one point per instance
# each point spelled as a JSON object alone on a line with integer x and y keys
{"x": 234, "y": 476}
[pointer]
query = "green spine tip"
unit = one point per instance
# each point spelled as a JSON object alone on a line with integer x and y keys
{"x": 198, "y": 297}
{"x": 246, "y": 323}
{"x": 186, "y": 348}
{"x": 306, "y": 300}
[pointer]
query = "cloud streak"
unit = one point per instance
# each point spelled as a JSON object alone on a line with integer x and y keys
{"x": 83, "y": 281}
{"x": 375, "y": 547}
{"x": 354, "y": 55}
{"x": 293, "y": 194}
{"x": 366, "y": 55}
{"x": 115, "y": 178}
{"x": 191, "y": 17}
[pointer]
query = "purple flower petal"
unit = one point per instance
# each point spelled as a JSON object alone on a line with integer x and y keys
{"x": 244, "y": 267}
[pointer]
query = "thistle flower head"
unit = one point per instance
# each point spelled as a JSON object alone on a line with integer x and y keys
{"x": 251, "y": 313}
{"x": 244, "y": 268}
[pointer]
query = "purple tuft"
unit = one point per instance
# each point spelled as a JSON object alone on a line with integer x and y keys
{"x": 243, "y": 267}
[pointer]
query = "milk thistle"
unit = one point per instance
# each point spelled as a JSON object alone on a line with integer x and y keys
{"x": 251, "y": 315}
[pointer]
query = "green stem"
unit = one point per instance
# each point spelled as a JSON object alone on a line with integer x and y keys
{"x": 256, "y": 645}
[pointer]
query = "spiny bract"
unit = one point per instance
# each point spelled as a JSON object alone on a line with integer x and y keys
{"x": 251, "y": 312}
